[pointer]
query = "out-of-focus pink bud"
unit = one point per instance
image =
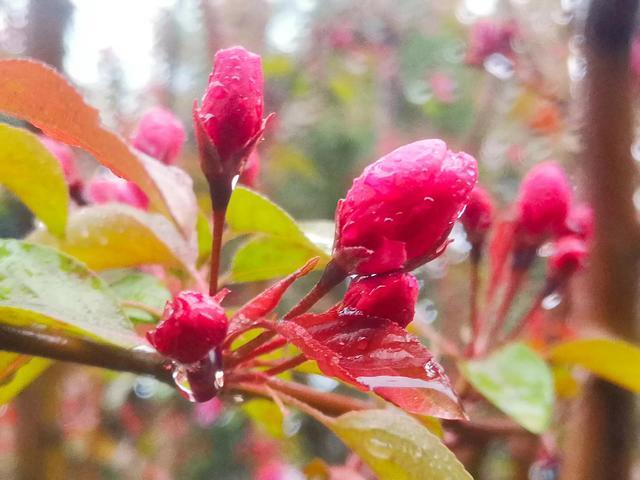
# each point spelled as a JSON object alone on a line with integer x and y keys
{"x": 192, "y": 325}
{"x": 65, "y": 156}
{"x": 487, "y": 37}
{"x": 232, "y": 106}
{"x": 160, "y": 134}
{"x": 116, "y": 190}
{"x": 443, "y": 87}
{"x": 569, "y": 255}
{"x": 251, "y": 170}
{"x": 478, "y": 216}
{"x": 543, "y": 204}
{"x": 392, "y": 296}
{"x": 580, "y": 221}
{"x": 399, "y": 212}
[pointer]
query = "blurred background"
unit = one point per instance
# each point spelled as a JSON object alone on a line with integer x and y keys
{"x": 349, "y": 80}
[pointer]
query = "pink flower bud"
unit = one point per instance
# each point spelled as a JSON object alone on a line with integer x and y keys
{"x": 580, "y": 221}
{"x": 569, "y": 256}
{"x": 65, "y": 156}
{"x": 192, "y": 325}
{"x": 543, "y": 203}
{"x": 116, "y": 190}
{"x": 160, "y": 134}
{"x": 392, "y": 296}
{"x": 399, "y": 212}
{"x": 487, "y": 37}
{"x": 251, "y": 170}
{"x": 478, "y": 215}
{"x": 232, "y": 106}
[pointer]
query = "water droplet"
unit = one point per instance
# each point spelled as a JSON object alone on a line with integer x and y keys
{"x": 499, "y": 66}
{"x": 378, "y": 448}
{"x": 219, "y": 379}
{"x": 551, "y": 301}
{"x": 180, "y": 378}
{"x": 145, "y": 387}
{"x": 546, "y": 250}
{"x": 291, "y": 424}
{"x": 432, "y": 369}
{"x": 577, "y": 66}
{"x": 636, "y": 199}
{"x": 362, "y": 343}
{"x": 429, "y": 311}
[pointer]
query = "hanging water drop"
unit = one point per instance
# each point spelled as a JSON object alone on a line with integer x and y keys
{"x": 179, "y": 375}
{"x": 551, "y": 301}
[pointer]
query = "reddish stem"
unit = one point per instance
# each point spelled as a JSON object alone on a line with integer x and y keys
{"x": 216, "y": 248}
{"x": 286, "y": 365}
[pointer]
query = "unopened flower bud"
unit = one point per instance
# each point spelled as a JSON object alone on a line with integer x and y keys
{"x": 66, "y": 157}
{"x": 478, "y": 216}
{"x": 116, "y": 190}
{"x": 251, "y": 170}
{"x": 580, "y": 221}
{"x": 400, "y": 210}
{"x": 488, "y": 37}
{"x": 160, "y": 134}
{"x": 569, "y": 256}
{"x": 392, "y": 296}
{"x": 192, "y": 325}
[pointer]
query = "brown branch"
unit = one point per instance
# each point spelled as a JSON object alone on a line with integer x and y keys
{"x": 601, "y": 439}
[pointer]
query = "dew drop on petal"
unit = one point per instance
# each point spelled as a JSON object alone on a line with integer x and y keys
{"x": 378, "y": 448}
{"x": 551, "y": 301}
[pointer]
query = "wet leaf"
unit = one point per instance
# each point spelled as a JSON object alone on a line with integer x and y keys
{"x": 517, "y": 381}
{"x": 266, "y": 415}
{"x": 116, "y": 236}
{"x": 141, "y": 288}
{"x": 375, "y": 354}
{"x": 40, "y": 286}
{"x": 320, "y": 232}
{"x": 396, "y": 446}
{"x": 17, "y": 372}
{"x": 281, "y": 245}
{"x": 266, "y": 302}
{"x": 265, "y": 257}
{"x": 34, "y": 92}
{"x": 34, "y": 176}
{"x": 614, "y": 360}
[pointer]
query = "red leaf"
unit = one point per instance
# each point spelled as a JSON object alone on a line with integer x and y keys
{"x": 375, "y": 354}
{"x": 499, "y": 249}
{"x": 267, "y": 301}
{"x": 35, "y": 92}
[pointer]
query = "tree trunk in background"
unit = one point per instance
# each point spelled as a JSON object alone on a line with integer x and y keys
{"x": 601, "y": 441}
{"x": 47, "y": 21}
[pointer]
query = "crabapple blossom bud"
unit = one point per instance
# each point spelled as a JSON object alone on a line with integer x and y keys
{"x": 232, "y": 106}
{"x": 392, "y": 296}
{"x": 569, "y": 255}
{"x": 160, "y": 134}
{"x": 400, "y": 210}
{"x": 487, "y": 37}
{"x": 192, "y": 325}
{"x": 65, "y": 156}
{"x": 478, "y": 215}
{"x": 580, "y": 221}
{"x": 118, "y": 190}
{"x": 543, "y": 204}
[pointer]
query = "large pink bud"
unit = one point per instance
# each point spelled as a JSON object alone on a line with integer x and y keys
{"x": 65, "y": 156}
{"x": 116, "y": 190}
{"x": 543, "y": 203}
{"x": 392, "y": 296}
{"x": 192, "y": 325}
{"x": 399, "y": 212}
{"x": 232, "y": 106}
{"x": 478, "y": 215}
{"x": 160, "y": 134}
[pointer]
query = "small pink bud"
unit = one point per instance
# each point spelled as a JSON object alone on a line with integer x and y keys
{"x": 478, "y": 215}
{"x": 569, "y": 256}
{"x": 487, "y": 37}
{"x": 232, "y": 106}
{"x": 392, "y": 296}
{"x": 543, "y": 203}
{"x": 116, "y": 190}
{"x": 443, "y": 87}
{"x": 65, "y": 156}
{"x": 192, "y": 325}
{"x": 580, "y": 221}
{"x": 160, "y": 134}
{"x": 400, "y": 210}
{"x": 251, "y": 170}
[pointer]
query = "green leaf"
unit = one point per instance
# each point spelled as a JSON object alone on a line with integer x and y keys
{"x": 266, "y": 415}
{"x": 396, "y": 446}
{"x": 517, "y": 381}
{"x": 264, "y": 258}
{"x": 614, "y": 360}
{"x": 141, "y": 288}
{"x": 40, "y": 286}
{"x": 35, "y": 176}
{"x": 17, "y": 372}
{"x": 280, "y": 247}
{"x": 116, "y": 236}
{"x": 205, "y": 237}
